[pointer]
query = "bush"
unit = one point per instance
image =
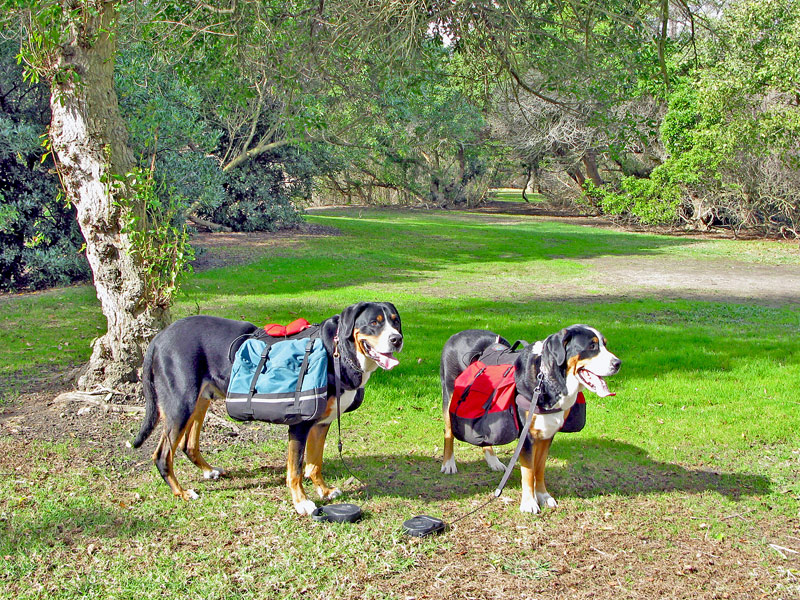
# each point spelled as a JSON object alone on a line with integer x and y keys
{"x": 39, "y": 237}
{"x": 653, "y": 201}
{"x": 258, "y": 197}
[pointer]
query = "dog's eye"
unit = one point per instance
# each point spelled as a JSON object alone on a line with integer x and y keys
{"x": 374, "y": 323}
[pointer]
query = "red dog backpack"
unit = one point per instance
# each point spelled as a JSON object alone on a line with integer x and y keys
{"x": 483, "y": 410}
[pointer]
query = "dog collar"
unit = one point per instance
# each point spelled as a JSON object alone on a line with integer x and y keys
{"x": 525, "y": 403}
{"x": 336, "y": 352}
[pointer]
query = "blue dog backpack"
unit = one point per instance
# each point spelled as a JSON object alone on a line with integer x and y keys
{"x": 283, "y": 382}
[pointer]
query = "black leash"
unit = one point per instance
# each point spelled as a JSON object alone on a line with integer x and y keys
{"x": 337, "y": 375}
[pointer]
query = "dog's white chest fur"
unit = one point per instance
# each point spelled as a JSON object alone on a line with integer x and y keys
{"x": 549, "y": 424}
{"x": 345, "y": 400}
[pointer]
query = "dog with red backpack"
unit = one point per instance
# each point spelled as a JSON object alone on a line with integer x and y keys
{"x": 489, "y": 387}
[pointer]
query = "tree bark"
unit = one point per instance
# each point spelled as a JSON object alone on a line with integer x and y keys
{"x": 590, "y": 162}
{"x": 89, "y": 140}
{"x": 575, "y": 173}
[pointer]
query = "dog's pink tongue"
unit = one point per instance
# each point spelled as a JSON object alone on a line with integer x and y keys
{"x": 595, "y": 383}
{"x": 386, "y": 361}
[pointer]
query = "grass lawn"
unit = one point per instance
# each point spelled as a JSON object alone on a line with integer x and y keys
{"x": 683, "y": 485}
{"x": 513, "y": 195}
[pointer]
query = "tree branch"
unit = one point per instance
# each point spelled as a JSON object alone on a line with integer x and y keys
{"x": 253, "y": 152}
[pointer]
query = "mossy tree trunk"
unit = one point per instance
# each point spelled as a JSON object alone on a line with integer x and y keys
{"x": 90, "y": 143}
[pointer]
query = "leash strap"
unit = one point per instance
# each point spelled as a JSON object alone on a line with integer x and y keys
{"x": 514, "y": 458}
{"x": 523, "y": 436}
{"x": 337, "y": 375}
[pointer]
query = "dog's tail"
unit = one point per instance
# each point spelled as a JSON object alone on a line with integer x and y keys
{"x": 150, "y": 406}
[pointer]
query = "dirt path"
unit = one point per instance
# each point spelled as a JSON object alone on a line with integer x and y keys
{"x": 713, "y": 279}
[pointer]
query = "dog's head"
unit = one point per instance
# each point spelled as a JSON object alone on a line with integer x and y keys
{"x": 574, "y": 359}
{"x": 375, "y": 330}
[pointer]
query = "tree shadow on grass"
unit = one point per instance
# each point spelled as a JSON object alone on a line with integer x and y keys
{"x": 593, "y": 467}
{"x": 600, "y": 467}
{"x": 385, "y": 250}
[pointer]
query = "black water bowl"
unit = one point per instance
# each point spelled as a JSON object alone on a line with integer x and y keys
{"x": 337, "y": 513}
{"x": 423, "y": 525}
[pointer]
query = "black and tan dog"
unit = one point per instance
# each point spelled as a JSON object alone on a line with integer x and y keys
{"x": 187, "y": 365}
{"x": 571, "y": 360}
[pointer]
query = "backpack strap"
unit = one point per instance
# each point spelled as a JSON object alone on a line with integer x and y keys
{"x": 261, "y": 363}
{"x": 490, "y": 400}
{"x": 518, "y": 344}
{"x": 465, "y": 393}
{"x": 234, "y": 347}
{"x": 295, "y": 410}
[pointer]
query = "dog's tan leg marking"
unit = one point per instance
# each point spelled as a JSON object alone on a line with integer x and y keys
{"x": 315, "y": 445}
{"x": 449, "y": 459}
{"x": 164, "y": 457}
{"x": 194, "y": 427}
{"x": 294, "y": 478}
{"x": 541, "y": 449}
{"x": 541, "y": 452}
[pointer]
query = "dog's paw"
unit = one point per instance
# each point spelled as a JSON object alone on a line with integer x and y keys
{"x": 449, "y": 466}
{"x": 494, "y": 462}
{"x": 546, "y": 500}
{"x": 331, "y": 494}
{"x": 306, "y": 507}
{"x": 214, "y": 473}
{"x": 529, "y": 505}
{"x": 190, "y": 495}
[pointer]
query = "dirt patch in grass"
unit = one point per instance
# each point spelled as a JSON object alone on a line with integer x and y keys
{"x": 230, "y": 249}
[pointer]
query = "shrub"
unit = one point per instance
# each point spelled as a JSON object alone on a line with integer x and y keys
{"x": 653, "y": 201}
{"x": 39, "y": 237}
{"x": 258, "y": 197}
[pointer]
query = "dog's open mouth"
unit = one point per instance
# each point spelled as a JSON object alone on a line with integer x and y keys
{"x": 595, "y": 383}
{"x": 385, "y": 360}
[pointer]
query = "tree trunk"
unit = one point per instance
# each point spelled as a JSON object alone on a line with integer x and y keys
{"x": 590, "y": 162}
{"x": 575, "y": 173}
{"x": 89, "y": 139}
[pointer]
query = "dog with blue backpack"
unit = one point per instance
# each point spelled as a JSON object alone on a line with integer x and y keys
{"x": 303, "y": 376}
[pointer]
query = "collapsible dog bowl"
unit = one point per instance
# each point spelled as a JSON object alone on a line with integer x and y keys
{"x": 423, "y": 525}
{"x": 337, "y": 513}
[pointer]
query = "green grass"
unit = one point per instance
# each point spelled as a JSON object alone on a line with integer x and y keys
{"x": 704, "y": 427}
{"x": 514, "y": 195}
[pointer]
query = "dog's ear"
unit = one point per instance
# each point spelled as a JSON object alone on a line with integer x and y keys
{"x": 347, "y": 320}
{"x": 553, "y": 361}
{"x": 554, "y": 349}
